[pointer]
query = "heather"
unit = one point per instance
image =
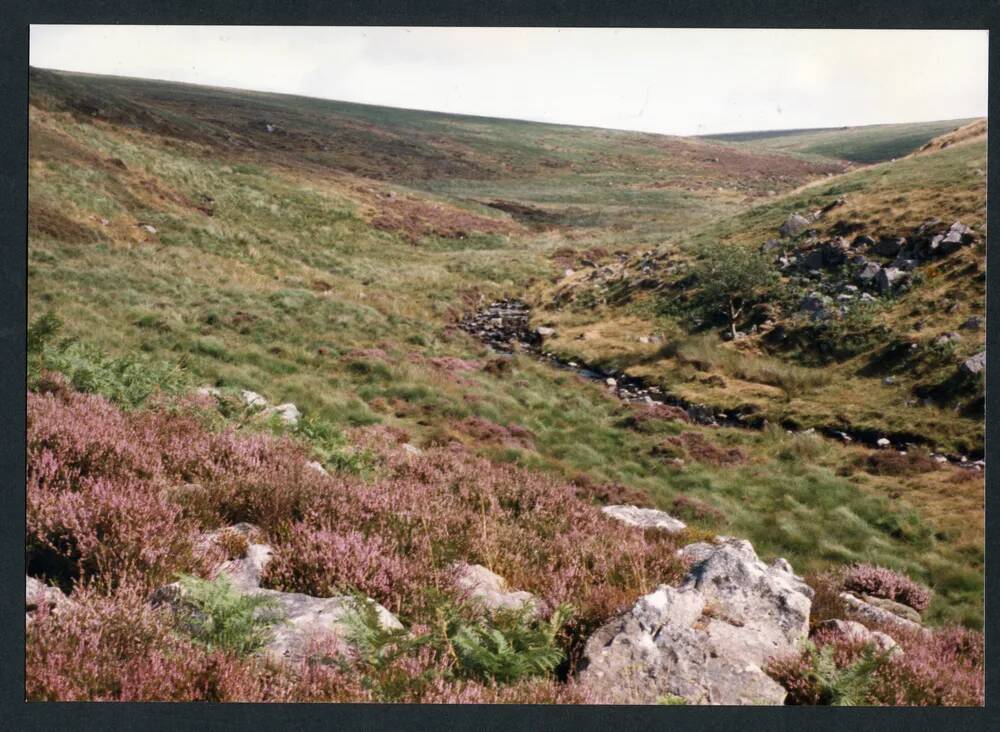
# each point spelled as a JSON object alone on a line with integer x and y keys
{"x": 941, "y": 668}
{"x": 116, "y": 502}
{"x": 884, "y": 582}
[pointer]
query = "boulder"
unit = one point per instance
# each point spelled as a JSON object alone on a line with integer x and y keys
{"x": 811, "y": 259}
{"x": 854, "y": 631}
{"x": 873, "y": 614}
{"x": 794, "y": 225}
{"x": 812, "y": 303}
{"x": 973, "y": 323}
{"x": 771, "y": 245}
{"x": 545, "y": 332}
{"x": 896, "y": 608}
{"x": 907, "y": 265}
{"x": 316, "y": 466}
{"x": 252, "y": 399}
{"x": 645, "y": 518}
{"x": 306, "y": 625}
{"x": 888, "y": 246}
{"x": 38, "y": 594}
{"x": 975, "y": 365}
{"x": 868, "y": 273}
{"x": 862, "y": 241}
{"x": 288, "y": 413}
{"x": 315, "y": 625}
{"x": 889, "y": 279}
{"x": 835, "y": 252}
{"x": 490, "y": 589}
{"x": 706, "y": 641}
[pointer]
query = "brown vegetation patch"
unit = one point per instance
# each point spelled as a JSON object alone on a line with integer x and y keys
{"x": 46, "y": 221}
{"x": 645, "y": 416}
{"x": 609, "y": 493}
{"x": 890, "y": 462}
{"x": 413, "y": 218}
{"x": 691, "y": 509}
{"x": 485, "y": 430}
{"x": 698, "y": 448}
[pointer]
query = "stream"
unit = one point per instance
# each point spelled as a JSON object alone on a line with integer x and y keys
{"x": 504, "y": 325}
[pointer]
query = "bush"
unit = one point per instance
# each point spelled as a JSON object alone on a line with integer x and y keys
{"x": 885, "y": 583}
{"x": 219, "y": 616}
{"x": 944, "y": 668}
{"x": 890, "y": 462}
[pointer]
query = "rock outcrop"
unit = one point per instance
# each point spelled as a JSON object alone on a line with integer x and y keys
{"x": 854, "y": 631}
{"x": 37, "y": 594}
{"x": 872, "y": 613}
{"x": 706, "y": 641}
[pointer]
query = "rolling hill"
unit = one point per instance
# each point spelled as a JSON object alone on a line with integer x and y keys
{"x": 865, "y": 144}
{"x": 325, "y": 254}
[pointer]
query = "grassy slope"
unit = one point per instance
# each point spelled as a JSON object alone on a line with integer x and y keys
{"x": 291, "y": 273}
{"x": 868, "y": 144}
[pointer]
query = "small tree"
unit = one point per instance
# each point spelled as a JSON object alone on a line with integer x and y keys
{"x": 731, "y": 278}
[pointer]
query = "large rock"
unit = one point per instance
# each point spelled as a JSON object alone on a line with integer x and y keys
{"x": 308, "y": 626}
{"x": 645, "y": 518}
{"x": 706, "y": 641}
{"x": 490, "y": 589}
{"x": 794, "y": 225}
{"x": 315, "y": 625}
{"x": 252, "y": 399}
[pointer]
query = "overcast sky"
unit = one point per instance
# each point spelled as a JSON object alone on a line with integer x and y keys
{"x": 674, "y": 81}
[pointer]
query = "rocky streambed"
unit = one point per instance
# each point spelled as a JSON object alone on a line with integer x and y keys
{"x": 505, "y": 326}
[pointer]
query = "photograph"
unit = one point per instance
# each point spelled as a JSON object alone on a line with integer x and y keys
{"x": 505, "y": 365}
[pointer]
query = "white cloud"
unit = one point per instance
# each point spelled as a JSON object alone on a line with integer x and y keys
{"x": 679, "y": 81}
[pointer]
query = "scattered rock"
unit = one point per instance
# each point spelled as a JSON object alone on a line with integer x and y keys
{"x": 317, "y": 466}
{"x": 490, "y": 589}
{"x": 208, "y": 391}
{"x": 794, "y": 225}
{"x": 868, "y": 273}
{"x": 973, "y": 323}
{"x": 412, "y": 449}
{"x": 545, "y": 332}
{"x": 975, "y": 365}
{"x": 888, "y": 279}
{"x": 38, "y": 594}
{"x": 252, "y": 399}
{"x": 288, "y": 413}
{"x": 706, "y": 641}
{"x": 307, "y": 624}
{"x": 889, "y": 246}
{"x": 896, "y": 608}
{"x": 882, "y": 442}
{"x": 871, "y": 613}
{"x": 855, "y": 631}
{"x": 645, "y": 518}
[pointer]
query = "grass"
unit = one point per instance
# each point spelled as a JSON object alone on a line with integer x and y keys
{"x": 867, "y": 144}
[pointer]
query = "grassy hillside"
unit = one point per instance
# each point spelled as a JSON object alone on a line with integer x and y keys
{"x": 326, "y": 262}
{"x": 867, "y": 144}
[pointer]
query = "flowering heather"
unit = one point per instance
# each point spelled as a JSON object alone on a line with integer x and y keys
{"x": 885, "y": 583}
{"x": 119, "y": 500}
{"x": 945, "y": 668}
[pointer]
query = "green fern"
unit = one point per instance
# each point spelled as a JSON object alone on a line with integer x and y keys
{"x": 219, "y": 616}
{"x": 844, "y": 687}
{"x": 501, "y": 647}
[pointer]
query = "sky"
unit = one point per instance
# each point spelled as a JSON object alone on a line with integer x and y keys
{"x": 672, "y": 81}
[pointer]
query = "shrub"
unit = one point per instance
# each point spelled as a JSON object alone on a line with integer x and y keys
{"x": 219, "y": 616}
{"x": 885, "y": 583}
{"x": 944, "y": 668}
